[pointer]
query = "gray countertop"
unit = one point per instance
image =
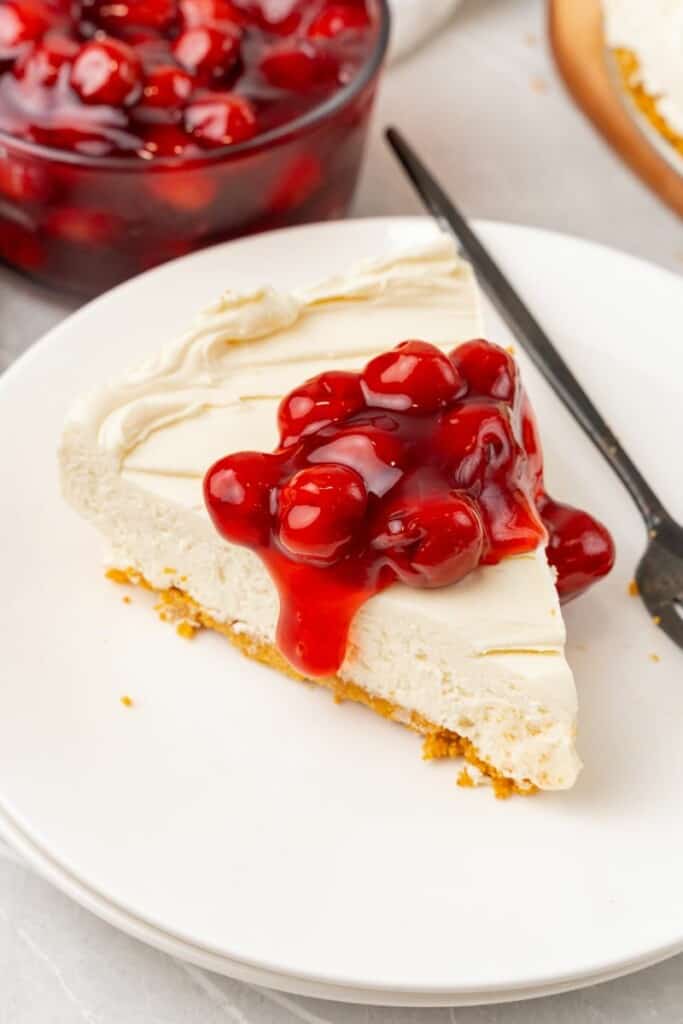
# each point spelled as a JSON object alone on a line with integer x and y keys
{"x": 483, "y": 101}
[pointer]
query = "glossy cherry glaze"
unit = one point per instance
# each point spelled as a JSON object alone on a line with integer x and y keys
{"x": 141, "y": 81}
{"x": 418, "y": 469}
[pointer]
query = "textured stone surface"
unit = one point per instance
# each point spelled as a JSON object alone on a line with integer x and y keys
{"x": 483, "y": 102}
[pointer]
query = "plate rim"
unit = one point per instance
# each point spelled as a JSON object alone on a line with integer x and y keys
{"x": 308, "y": 987}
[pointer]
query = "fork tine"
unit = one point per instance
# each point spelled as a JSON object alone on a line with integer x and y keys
{"x": 672, "y": 623}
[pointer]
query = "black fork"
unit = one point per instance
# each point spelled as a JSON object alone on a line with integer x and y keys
{"x": 659, "y": 574}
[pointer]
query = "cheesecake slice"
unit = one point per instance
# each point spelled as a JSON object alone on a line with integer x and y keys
{"x": 477, "y": 667}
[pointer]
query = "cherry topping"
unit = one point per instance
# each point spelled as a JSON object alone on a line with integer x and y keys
{"x": 167, "y": 87}
{"x": 369, "y": 446}
{"x": 414, "y": 377}
{"x": 237, "y": 493}
{"x": 580, "y": 548}
{"x": 281, "y": 17}
{"x": 396, "y": 473}
{"x": 40, "y": 66}
{"x": 207, "y": 52}
{"x": 434, "y": 543}
{"x": 297, "y": 182}
{"x": 169, "y": 140}
{"x": 324, "y": 399}
{"x": 319, "y": 510}
{"x": 91, "y": 76}
{"x": 85, "y": 227}
{"x": 115, "y": 14}
{"x": 209, "y": 12}
{"x": 490, "y": 371}
{"x": 474, "y": 439}
{"x": 25, "y": 182}
{"x": 221, "y": 119}
{"x": 106, "y": 72}
{"x": 336, "y": 19}
{"x": 21, "y": 21}
{"x": 298, "y": 66}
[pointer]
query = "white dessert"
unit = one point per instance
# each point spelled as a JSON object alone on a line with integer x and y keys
{"x": 483, "y": 658}
{"x": 653, "y": 31}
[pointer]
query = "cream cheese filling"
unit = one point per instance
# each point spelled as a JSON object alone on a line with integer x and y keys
{"x": 483, "y": 658}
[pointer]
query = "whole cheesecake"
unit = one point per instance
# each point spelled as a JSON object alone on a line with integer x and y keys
{"x": 422, "y": 599}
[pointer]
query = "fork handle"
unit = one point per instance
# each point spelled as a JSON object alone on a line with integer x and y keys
{"x": 529, "y": 332}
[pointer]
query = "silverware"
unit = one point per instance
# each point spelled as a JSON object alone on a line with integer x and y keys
{"x": 659, "y": 574}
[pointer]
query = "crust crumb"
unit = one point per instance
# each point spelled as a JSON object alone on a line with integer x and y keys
{"x": 186, "y": 630}
{"x": 127, "y": 701}
{"x": 127, "y": 599}
{"x": 465, "y": 779}
{"x": 655, "y": 658}
{"x": 633, "y": 589}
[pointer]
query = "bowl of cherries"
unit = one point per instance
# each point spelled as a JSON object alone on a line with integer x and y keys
{"x": 135, "y": 131}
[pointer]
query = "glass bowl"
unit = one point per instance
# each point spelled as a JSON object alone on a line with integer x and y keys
{"x": 84, "y": 224}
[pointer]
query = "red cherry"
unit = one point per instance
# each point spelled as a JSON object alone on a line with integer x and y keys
{"x": 237, "y": 494}
{"x": 21, "y": 21}
{"x": 336, "y": 19}
{"x": 375, "y": 454}
{"x": 25, "y": 182}
{"x": 82, "y": 135}
{"x": 510, "y": 516}
{"x": 106, "y": 71}
{"x": 296, "y": 183}
{"x": 166, "y": 87}
{"x": 433, "y": 543}
{"x": 298, "y": 66}
{"x": 325, "y": 399}
{"x": 414, "y": 377}
{"x": 187, "y": 191}
{"x": 208, "y": 53}
{"x": 21, "y": 246}
{"x": 82, "y": 226}
{"x": 221, "y": 119}
{"x": 40, "y": 67}
{"x": 117, "y": 14}
{"x": 320, "y": 510}
{"x": 580, "y": 548}
{"x": 209, "y": 12}
{"x": 489, "y": 370}
{"x": 169, "y": 140}
{"x": 477, "y": 441}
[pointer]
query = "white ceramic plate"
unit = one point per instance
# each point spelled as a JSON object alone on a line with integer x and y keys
{"x": 234, "y": 812}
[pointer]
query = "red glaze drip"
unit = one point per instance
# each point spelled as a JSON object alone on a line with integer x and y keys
{"x": 418, "y": 469}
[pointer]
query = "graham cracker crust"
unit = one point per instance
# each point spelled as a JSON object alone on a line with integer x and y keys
{"x": 176, "y": 606}
{"x": 629, "y": 71}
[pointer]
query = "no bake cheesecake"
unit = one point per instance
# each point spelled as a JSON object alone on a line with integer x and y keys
{"x": 386, "y": 533}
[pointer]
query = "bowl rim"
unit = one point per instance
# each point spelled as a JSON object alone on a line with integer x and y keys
{"x": 275, "y": 136}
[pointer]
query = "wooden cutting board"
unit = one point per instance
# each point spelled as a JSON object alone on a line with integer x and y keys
{"x": 577, "y": 40}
